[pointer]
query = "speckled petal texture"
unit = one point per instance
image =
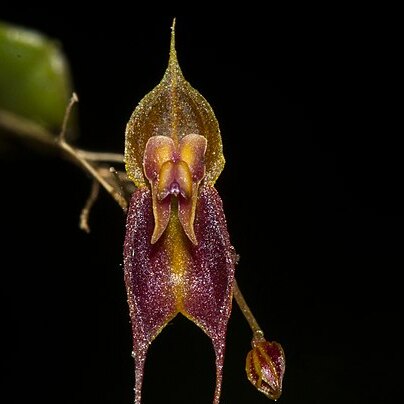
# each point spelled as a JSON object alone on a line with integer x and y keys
{"x": 175, "y": 276}
{"x": 210, "y": 276}
{"x": 147, "y": 277}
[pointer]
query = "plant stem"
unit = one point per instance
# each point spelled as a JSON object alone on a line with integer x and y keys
{"x": 99, "y": 156}
{"x": 93, "y": 172}
{"x": 26, "y": 129}
{"x": 255, "y": 328}
{"x": 85, "y": 212}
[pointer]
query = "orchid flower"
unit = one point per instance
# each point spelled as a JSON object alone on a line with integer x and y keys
{"x": 178, "y": 257}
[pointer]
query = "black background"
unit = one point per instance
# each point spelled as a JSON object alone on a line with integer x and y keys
{"x": 312, "y": 191}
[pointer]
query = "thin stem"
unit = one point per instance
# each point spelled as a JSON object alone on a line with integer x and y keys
{"x": 117, "y": 179}
{"x": 93, "y": 172}
{"x": 72, "y": 152}
{"x": 95, "y": 189}
{"x": 100, "y": 156}
{"x": 238, "y": 296}
{"x": 69, "y": 107}
{"x": 25, "y": 129}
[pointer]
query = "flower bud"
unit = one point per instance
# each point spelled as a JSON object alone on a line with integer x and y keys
{"x": 265, "y": 367}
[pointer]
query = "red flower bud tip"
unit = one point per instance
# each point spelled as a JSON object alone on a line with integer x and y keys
{"x": 265, "y": 367}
